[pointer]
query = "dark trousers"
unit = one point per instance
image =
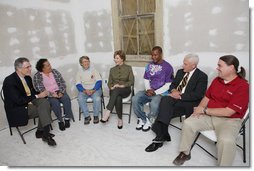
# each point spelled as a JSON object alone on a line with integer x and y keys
{"x": 56, "y": 107}
{"x": 170, "y": 108}
{"x": 40, "y": 107}
{"x": 116, "y": 100}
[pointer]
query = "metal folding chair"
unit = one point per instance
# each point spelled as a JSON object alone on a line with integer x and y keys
{"x": 21, "y": 134}
{"x": 210, "y": 134}
{"x": 128, "y": 101}
{"x": 90, "y": 100}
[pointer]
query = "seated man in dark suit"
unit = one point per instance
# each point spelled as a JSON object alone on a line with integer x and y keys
{"x": 186, "y": 91}
{"x": 22, "y": 101}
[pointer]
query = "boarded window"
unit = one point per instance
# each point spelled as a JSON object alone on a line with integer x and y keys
{"x": 134, "y": 28}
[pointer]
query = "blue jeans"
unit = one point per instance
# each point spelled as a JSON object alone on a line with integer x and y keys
{"x": 138, "y": 102}
{"x": 82, "y": 98}
{"x": 56, "y": 107}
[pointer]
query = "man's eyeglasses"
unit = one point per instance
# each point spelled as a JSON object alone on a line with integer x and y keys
{"x": 27, "y": 67}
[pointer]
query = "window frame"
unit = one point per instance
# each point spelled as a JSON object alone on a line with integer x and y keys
{"x": 139, "y": 59}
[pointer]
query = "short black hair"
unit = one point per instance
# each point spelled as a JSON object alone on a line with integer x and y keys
{"x": 157, "y": 48}
{"x": 39, "y": 65}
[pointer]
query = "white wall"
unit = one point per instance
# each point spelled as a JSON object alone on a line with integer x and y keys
{"x": 64, "y": 30}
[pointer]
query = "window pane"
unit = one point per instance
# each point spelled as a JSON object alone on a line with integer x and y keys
{"x": 146, "y": 6}
{"x": 137, "y": 26}
{"x": 146, "y": 34}
{"x": 129, "y": 28}
{"x": 129, "y": 7}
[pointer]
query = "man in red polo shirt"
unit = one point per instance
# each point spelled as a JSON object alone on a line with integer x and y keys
{"x": 222, "y": 109}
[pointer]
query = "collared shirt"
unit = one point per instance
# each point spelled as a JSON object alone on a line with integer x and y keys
{"x": 38, "y": 81}
{"x": 190, "y": 74}
{"x": 234, "y": 95}
{"x": 49, "y": 82}
{"x": 27, "y": 89}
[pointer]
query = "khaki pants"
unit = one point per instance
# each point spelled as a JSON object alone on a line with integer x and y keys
{"x": 226, "y": 130}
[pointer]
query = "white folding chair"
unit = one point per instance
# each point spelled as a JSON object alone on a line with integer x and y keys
{"x": 128, "y": 101}
{"x": 210, "y": 134}
{"x": 90, "y": 100}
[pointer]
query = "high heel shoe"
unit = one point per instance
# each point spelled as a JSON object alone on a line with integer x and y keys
{"x": 106, "y": 120}
{"x": 120, "y": 124}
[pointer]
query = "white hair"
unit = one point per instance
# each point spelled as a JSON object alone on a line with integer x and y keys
{"x": 193, "y": 58}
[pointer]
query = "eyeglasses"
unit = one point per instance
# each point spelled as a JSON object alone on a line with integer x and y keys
{"x": 27, "y": 67}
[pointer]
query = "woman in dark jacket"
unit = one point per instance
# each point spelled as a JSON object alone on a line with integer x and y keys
{"x": 120, "y": 81}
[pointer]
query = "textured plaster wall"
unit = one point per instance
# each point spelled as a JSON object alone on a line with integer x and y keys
{"x": 64, "y": 30}
{"x": 208, "y": 25}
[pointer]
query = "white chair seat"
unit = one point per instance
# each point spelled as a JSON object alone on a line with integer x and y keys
{"x": 89, "y": 99}
{"x": 127, "y": 99}
{"x": 210, "y": 134}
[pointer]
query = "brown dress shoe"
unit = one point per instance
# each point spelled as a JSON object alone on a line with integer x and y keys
{"x": 181, "y": 158}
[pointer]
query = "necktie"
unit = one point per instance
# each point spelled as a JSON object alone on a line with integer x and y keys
{"x": 27, "y": 89}
{"x": 184, "y": 82}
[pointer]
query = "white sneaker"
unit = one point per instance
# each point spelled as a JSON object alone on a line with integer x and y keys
{"x": 139, "y": 124}
{"x": 147, "y": 125}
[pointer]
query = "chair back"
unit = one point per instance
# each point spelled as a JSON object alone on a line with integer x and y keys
{"x": 128, "y": 99}
{"x": 2, "y": 95}
{"x": 210, "y": 134}
{"x": 246, "y": 116}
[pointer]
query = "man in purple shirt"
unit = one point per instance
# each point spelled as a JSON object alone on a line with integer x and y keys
{"x": 158, "y": 77}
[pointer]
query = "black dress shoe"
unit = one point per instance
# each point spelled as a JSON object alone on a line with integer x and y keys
{"x": 120, "y": 127}
{"x": 39, "y": 134}
{"x": 49, "y": 140}
{"x": 67, "y": 123}
{"x": 161, "y": 139}
{"x": 61, "y": 126}
{"x": 153, "y": 147}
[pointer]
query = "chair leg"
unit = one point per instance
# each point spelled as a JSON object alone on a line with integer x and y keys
{"x": 72, "y": 117}
{"x": 10, "y": 130}
{"x": 202, "y": 147}
{"x": 194, "y": 142}
{"x": 50, "y": 126}
{"x": 244, "y": 145}
{"x": 102, "y": 103}
{"x": 175, "y": 126}
{"x": 130, "y": 113}
{"x": 21, "y": 135}
{"x": 79, "y": 111}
